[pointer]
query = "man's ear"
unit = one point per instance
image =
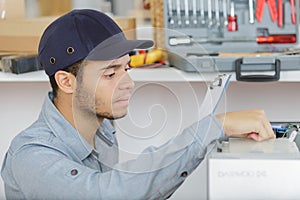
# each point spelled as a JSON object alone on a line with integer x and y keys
{"x": 66, "y": 81}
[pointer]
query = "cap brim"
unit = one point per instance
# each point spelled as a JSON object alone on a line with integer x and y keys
{"x": 115, "y": 48}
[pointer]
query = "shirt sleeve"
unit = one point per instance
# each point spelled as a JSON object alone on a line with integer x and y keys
{"x": 41, "y": 172}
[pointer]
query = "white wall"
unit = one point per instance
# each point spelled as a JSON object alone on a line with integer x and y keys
{"x": 20, "y": 104}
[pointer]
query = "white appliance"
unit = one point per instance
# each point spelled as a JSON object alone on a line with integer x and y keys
{"x": 245, "y": 169}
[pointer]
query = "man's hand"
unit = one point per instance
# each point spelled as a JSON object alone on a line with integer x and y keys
{"x": 247, "y": 123}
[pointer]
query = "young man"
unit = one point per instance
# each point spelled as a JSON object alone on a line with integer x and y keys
{"x": 71, "y": 152}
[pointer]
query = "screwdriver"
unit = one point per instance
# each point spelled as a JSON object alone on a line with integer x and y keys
{"x": 271, "y": 39}
{"x": 232, "y": 19}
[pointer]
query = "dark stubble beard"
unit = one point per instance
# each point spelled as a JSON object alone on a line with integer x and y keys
{"x": 85, "y": 103}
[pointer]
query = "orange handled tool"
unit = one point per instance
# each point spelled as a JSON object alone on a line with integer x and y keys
{"x": 280, "y": 13}
{"x": 146, "y": 58}
{"x": 261, "y": 39}
{"x": 232, "y": 19}
{"x": 260, "y": 9}
{"x": 292, "y": 2}
{"x": 277, "y": 39}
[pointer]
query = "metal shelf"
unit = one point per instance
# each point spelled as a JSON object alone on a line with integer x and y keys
{"x": 164, "y": 74}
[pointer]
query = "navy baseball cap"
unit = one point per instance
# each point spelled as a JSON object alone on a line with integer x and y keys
{"x": 83, "y": 34}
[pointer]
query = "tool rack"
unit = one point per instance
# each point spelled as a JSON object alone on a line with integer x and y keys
{"x": 233, "y": 35}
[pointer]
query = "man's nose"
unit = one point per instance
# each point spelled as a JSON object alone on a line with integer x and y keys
{"x": 126, "y": 82}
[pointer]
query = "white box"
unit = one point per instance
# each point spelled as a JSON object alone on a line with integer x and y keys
{"x": 245, "y": 169}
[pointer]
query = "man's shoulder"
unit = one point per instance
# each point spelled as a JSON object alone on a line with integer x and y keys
{"x": 36, "y": 134}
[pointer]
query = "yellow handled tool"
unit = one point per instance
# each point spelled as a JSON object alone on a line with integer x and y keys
{"x": 146, "y": 58}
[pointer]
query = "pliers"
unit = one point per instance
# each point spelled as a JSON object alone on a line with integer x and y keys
{"x": 260, "y": 9}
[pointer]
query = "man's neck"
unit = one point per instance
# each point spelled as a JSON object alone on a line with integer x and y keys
{"x": 86, "y": 124}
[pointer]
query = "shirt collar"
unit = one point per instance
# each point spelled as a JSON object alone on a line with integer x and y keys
{"x": 62, "y": 129}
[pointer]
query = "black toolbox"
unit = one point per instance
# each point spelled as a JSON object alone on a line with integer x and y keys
{"x": 233, "y": 35}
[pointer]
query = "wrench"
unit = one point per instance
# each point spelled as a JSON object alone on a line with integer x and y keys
{"x": 171, "y": 12}
{"x": 202, "y": 12}
{"x": 251, "y": 12}
{"x": 178, "y": 12}
{"x": 225, "y": 12}
{"x": 187, "y": 16}
{"x": 209, "y": 13}
{"x": 217, "y": 13}
{"x": 195, "y": 12}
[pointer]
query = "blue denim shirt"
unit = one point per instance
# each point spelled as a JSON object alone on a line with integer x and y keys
{"x": 50, "y": 160}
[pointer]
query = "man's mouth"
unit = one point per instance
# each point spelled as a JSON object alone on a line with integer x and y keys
{"x": 123, "y": 100}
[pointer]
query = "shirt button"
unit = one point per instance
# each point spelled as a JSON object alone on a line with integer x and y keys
{"x": 74, "y": 172}
{"x": 184, "y": 174}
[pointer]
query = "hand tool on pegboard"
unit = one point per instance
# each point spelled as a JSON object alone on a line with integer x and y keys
{"x": 260, "y": 9}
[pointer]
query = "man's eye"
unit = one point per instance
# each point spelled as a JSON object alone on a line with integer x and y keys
{"x": 127, "y": 68}
{"x": 110, "y": 75}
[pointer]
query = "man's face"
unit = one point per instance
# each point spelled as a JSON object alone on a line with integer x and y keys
{"x": 104, "y": 87}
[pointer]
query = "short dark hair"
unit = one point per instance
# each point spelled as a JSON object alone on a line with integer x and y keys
{"x": 73, "y": 69}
